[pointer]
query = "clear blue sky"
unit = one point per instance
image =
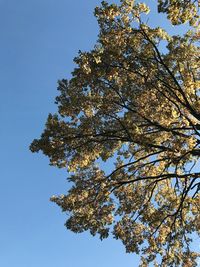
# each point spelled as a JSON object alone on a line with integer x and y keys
{"x": 39, "y": 39}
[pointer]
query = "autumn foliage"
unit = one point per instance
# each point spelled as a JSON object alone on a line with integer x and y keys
{"x": 137, "y": 109}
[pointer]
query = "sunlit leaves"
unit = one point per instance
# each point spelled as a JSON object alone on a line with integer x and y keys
{"x": 179, "y": 11}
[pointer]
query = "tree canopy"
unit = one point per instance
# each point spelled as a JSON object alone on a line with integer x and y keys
{"x": 136, "y": 107}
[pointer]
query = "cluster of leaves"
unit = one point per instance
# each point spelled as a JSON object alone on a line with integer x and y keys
{"x": 130, "y": 103}
{"x": 180, "y": 11}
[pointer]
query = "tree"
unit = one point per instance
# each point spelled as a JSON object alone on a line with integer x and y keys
{"x": 137, "y": 109}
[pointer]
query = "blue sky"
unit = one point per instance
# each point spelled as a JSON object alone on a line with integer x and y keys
{"x": 39, "y": 39}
